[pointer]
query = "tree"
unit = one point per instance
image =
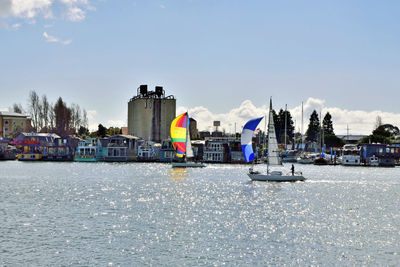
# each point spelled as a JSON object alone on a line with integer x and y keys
{"x": 327, "y": 124}
{"x": 62, "y": 118}
{"x": 387, "y": 130}
{"x": 332, "y": 140}
{"x": 34, "y": 109}
{"x": 313, "y": 128}
{"x": 83, "y": 131}
{"x": 45, "y": 112}
{"x": 378, "y": 121}
{"x": 52, "y": 118}
{"x": 101, "y": 131}
{"x": 279, "y": 122}
{"x": 17, "y": 108}
{"x": 285, "y": 116}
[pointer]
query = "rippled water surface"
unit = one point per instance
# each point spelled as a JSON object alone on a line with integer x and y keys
{"x": 150, "y": 214}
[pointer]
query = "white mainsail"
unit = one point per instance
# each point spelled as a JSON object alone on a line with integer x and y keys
{"x": 189, "y": 150}
{"x": 274, "y": 157}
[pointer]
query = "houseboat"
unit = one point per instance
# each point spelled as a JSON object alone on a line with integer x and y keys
{"x": 60, "y": 149}
{"x": 122, "y": 148}
{"x": 379, "y": 155}
{"x": 167, "y": 151}
{"x": 7, "y": 152}
{"x": 91, "y": 150}
{"x": 236, "y": 152}
{"x": 216, "y": 150}
{"x": 351, "y": 155}
{"x": 32, "y": 145}
{"x": 147, "y": 151}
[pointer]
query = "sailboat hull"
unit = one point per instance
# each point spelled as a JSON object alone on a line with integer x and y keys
{"x": 272, "y": 177}
{"x": 187, "y": 165}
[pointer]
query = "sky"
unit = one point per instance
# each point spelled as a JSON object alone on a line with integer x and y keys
{"x": 221, "y": 59}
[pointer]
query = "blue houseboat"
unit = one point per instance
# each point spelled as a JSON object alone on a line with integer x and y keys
{"x": 91, "y": 150}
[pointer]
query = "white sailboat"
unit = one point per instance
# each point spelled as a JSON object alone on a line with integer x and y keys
{"x": 274, "y": 158}
{"x": 180, "y": 137}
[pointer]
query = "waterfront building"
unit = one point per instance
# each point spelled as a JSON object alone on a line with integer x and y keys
{"x": 194, "y": 132}
{"x": 12, "y": 123}
{"x": 122, "y": 148}
{"x": 150, "y": 114}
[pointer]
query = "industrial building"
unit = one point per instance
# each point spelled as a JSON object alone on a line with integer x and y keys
{"x": 150, "y": 114}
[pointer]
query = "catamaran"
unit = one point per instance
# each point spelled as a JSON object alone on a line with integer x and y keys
{"x": 274, "y": 158}
{"x": 180, "y": 137}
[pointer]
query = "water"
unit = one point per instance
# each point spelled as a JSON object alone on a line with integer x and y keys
{"x": 101, "y": 214}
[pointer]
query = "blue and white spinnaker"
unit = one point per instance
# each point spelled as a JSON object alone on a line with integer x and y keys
{"x": 247, "y": 136}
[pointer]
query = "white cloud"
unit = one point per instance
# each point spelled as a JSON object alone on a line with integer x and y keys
{"x": 115, "y": 123}
{"x": 75, "y": 14}
{"x": 358, "y": 121}
{"x": 73, "y": 10}
{"x": 53, "y": 39}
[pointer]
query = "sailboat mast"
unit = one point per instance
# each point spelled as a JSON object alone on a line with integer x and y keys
{"x": 302, "y": 124}
{"x": 285, "y": 123}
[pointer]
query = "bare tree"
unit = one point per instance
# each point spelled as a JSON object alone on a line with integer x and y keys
{"x": 34, "y": 109}
{"x": 378, "y": 122}
{"x": 52, "y": 118}
{"x": 45, "y": 112}
{"x": 85, "y": 121}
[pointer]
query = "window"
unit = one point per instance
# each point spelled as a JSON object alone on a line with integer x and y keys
{"x": 5, "y": 122}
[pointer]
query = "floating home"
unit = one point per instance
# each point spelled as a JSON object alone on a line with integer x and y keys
{"x": 7, "y": 152}
{"x": 379, "y": 155}
{"x": 91, "y": 150}
{"x": 167, "y": 151}
{"x": 122, "y": 148}
{"x": 32, "y": 145}
{"x": 60, "y": 149}
{"x": 148, "y": 151}
{"x": 216, "y": 150}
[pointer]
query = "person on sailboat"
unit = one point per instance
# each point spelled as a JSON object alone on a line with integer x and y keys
{"x": 292, "y": 169}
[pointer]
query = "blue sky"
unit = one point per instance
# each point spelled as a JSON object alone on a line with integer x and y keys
{"x": 212, "y": 55}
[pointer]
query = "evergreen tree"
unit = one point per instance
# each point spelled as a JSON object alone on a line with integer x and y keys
{"x": 280, "y": 128}
{"x": 101, "y": 131}
{"x": 62, "y": 118}
{"x": 313, "y": 128}
{"x": 277, "y": 122}
{"x": 327, "y": 124}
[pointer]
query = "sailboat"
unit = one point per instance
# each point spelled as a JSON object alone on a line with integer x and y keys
{"x": 274, "y": 158}
{"x": 180, "y": 137}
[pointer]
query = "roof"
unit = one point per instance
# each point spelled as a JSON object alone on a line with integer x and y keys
{"x": 12, "y": 114}
{"x": 125, "y": 136}
{"x": 41, "y": 134}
